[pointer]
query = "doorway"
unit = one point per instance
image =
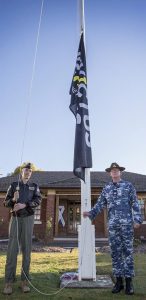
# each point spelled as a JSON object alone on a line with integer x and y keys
{"x": 74, "y": 217}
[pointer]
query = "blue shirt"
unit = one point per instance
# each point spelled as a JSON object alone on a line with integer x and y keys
{"x": 122, "y": 204}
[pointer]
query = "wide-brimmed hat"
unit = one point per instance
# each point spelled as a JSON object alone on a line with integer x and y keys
{"x": 114, "y": 165}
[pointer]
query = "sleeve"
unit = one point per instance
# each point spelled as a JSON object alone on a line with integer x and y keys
{"x": 8, "y": 202}
{"x": 135, "y": 206}
{"x": 99, "y": 206}
{"x": 36, "y": 199}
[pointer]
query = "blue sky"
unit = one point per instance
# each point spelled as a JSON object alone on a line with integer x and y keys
{"x": 116, "y": 66}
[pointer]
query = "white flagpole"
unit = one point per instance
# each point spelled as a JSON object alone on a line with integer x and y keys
{"x": 86, "y": 231}
{"x": 82, "y": 17}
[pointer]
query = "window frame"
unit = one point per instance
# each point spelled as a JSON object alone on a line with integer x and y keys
{"x": 37, "y": 221}
{"x": 144, "y": 203}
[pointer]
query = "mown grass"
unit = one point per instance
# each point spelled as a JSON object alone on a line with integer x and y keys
{"x": 46, "y": 269}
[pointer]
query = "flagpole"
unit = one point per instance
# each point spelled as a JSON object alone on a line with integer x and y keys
{"x": 86, "y": 237}
{"x": 82, "y": 18}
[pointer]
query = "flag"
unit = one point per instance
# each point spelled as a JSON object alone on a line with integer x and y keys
{"x": 79, "y": 107}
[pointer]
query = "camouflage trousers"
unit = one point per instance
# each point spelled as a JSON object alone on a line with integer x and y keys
{"x": 121, "y": 244}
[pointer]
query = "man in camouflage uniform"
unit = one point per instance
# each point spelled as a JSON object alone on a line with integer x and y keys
{"x": 124, "y": 215}
{"x": 22, "y": 198}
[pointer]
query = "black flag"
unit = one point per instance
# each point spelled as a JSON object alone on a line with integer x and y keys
{"x": 79, "y": 107}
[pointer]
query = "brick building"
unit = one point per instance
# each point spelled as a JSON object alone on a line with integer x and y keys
{"x": 61, "y": 203}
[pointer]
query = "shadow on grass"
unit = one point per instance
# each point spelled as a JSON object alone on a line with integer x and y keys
{"x": 49, "y": 282}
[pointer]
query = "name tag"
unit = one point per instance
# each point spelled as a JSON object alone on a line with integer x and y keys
{"x": 119, "y": 192}
{"x": 31, "y": 188}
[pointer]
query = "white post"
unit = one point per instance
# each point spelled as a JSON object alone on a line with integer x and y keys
{"x": 86, "y": 234}
{"x": 86, "y": 231}
{"x": 82, "y": 17}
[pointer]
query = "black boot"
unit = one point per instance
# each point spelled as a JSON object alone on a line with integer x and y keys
{"x": 118, "y": 286}
{"x": 129, "y": 286}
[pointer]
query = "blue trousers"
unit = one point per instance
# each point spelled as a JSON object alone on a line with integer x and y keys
{"x": 121, "y": 244}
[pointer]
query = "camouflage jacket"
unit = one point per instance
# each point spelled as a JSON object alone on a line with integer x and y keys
{"x": 121, "y": 202}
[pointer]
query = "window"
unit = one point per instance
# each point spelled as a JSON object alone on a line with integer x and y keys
{"x": 37, "y": 215}
{"x": 142, "y": 204}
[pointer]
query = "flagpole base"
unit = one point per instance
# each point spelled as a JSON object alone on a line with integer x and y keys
{"x": 86, "y": 244}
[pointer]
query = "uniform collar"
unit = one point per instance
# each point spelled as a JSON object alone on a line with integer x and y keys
{"x": 27, "y": 183}
{"x": 117, "y": 183}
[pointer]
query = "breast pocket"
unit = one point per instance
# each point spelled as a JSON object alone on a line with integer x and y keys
{"x": 30, "y": 194}
{"x": 125, "y": 193}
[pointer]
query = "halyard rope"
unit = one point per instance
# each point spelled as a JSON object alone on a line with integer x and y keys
{"x": 22, "y": 149}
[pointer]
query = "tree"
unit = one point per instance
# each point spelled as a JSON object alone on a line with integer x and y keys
{"x": 19, "y": 168}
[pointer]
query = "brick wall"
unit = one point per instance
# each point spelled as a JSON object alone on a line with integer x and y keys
{"x": 99, "y": 226}
{"x": 50, "y": 213}
{"x": 39, "y": 229}
{"x": 47, "y": 211}
{"x": 140, "y": 232}
{"x": 5, "y": 216}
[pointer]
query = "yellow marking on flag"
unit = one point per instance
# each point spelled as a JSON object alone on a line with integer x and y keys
{"x": 77, "y": 78}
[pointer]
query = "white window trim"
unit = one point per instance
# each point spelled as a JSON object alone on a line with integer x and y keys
{"x": 37, "y": 222}
{"x": 143, "y": 199}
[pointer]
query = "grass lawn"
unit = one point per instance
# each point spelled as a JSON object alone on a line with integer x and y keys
{"x": 46, "y": 269}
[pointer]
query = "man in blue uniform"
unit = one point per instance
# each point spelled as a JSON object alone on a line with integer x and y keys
{"x": 124, "y": 215}
{"x": 22, "y": 197}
